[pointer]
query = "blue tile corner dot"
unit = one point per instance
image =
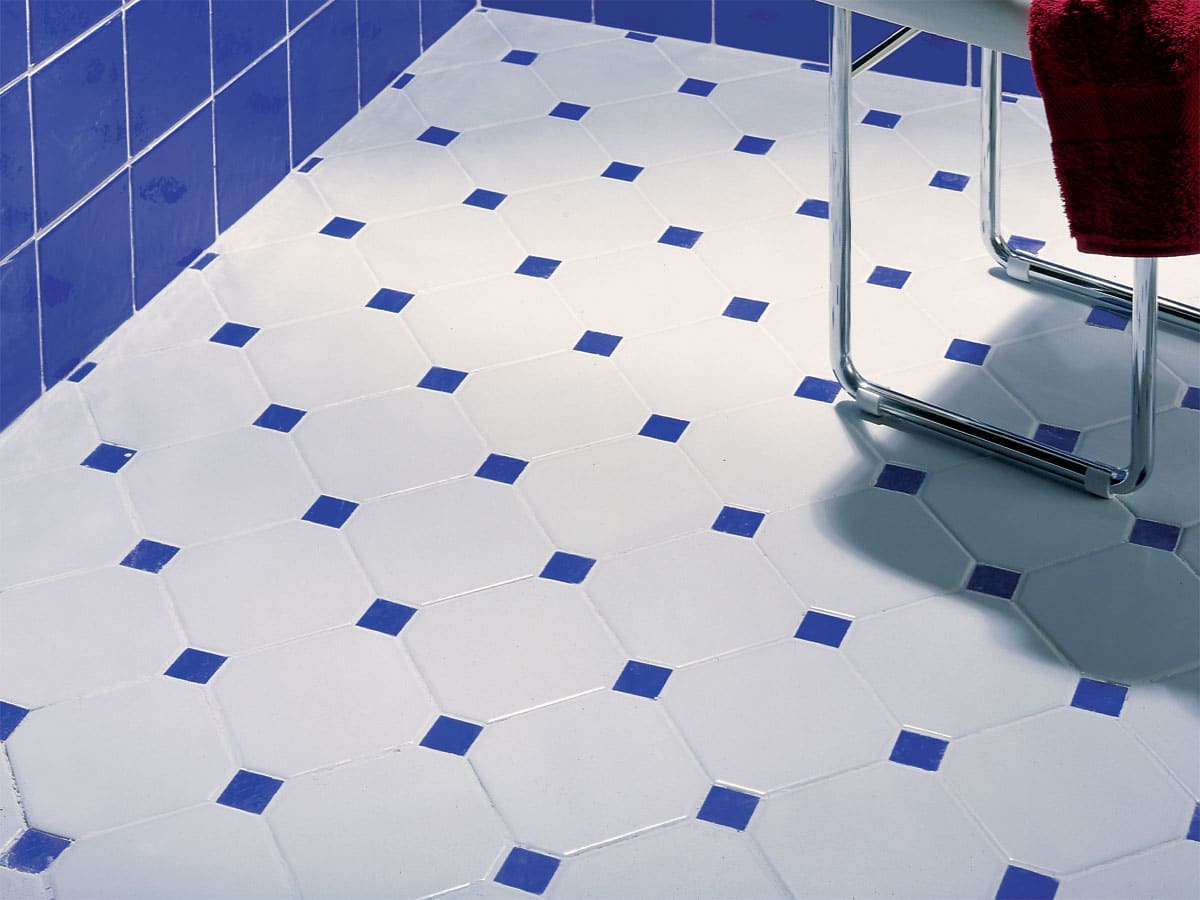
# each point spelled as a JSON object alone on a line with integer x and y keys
{"x": 900, "y": 479}
{"x": 1099, "y": 696}
{"x": 598, "y": 343}
{"x": 34, "y": 851}
{"x": 520, "y": 57}
{"x": 572, "y": 111}
{"x": 11, "y": 716}
{"x": 249, "y": 791}
{"x": 664, "y": 428}
{"x": 642, "y": 679}
{"x": 1023, "y": 884}
{"x": 620, "y": 171}
{"x": 196, "y": 666}
{"x": 725, "y": 806}
{"x": 639, "y": 36}
{"x": 203, "y": 260}
{"x": 451, "y": 735}
{"x": 389, "y": 300}
{"x": 1193, "y": 833}
{"x": 1025, "y": 244}
{"x": 311, "y": 164}
{"x": 971, "y": 352}
{"x": 485, "y": 199}
{"x": 1057, "y": 437}
{"x": 1191, "y": 397}
{"x": 745, "y": 309}
{"x": 823, "y": 628}
{"x": 756, "y": 146}
{"x": 332, "y": 512}
{"x": 86, "y": 369}
{"x": 567, "y": 568}
{"x": 817, "y": 209}
{"x": 1158, "y": 535}
{"x": 440, "y": 136}
{"x": 680, "y": 237}
{"x": 538, "y": 266}
{"x": 698, "y": 87}
{"x": 740, "y": 522}
{"x": 149, "y": 556}
{"x": 234, "y": 334}
{"x": 921, "y": 751}
{"x": 440, "y": 379}
{"x": 881, "y": 119}
{"x": 1100, "y": 317}
{"x": 886, "y": 276}
{"x": 505, "y": 469}
{"x": 994, "y": 581}
{"x": 823, "y": 390}
{"x": 108, "y": 458}
{"x": 386, "y": 617}
{"x": 341, "y": 227}
{"x": 949, "y": 181}
{"x": 402, "y": 82}
{"x": 527, "y": 870}
{"x": 279, "y": 418}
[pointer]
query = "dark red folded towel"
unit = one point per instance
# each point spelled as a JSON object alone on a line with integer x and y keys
{"x": 1121, "y": 81}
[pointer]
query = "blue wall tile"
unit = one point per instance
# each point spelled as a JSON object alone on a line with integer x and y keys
{"x": 579, "y": 10}
{"x": 16, "y": 170}
{"x": 324, "y": 77}
{"x": 85, "y": 284}
{"x": 53, "y": 23}
{"x": 173, "y": 218}
{"x": 299, "y": 10}
{"x": 439, "y": 16}
{"x": 1016, "y": 74}
{"x": 252, "y": 137}
{"x": 242, "y": 31}
{"x": 689, "y": 19}
{"x": 929, "y": 57}
{"x": 168, "y": 65}
{"x": 13, "y": 52}
{"x": 389, "y": 39}
{"x": 79, "y": 120}
{"x": 795, "y": 28}
{"x": 22, "y": 378}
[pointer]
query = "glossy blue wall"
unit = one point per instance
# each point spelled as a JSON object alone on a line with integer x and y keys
{"x": 132, "y": 132}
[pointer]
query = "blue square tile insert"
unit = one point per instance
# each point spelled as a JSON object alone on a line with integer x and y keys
{"x": 822, "y": 390}
{"x": 485, "y": 199}
{"x": 538, "y": 266}
{"x": 332, "y": 512}
{"x": 451, "y": 736}
{"x": 203, "y": 261}
{"x": 725, "y": 806}
{"x": 638, "y": 36}
{"x": 949, "y": 181}
{"x": 165, "y": 36}
{"x": 572, "y": 111}
{"x": 340, "y": 227}
{"x": 1027, "y": 244}
{"x": 389, "y": 300}
{"x": 967, "y": 351}
{"x": 234, "y": 334}
{"x": 386, "y": 617}
{"x": 53, "y": 24}
{"x": 756, "y": 146}
{"x": 1106, "y": 318}
{"x": 680, "y": 237}
{"x": 1191, "y": 398}
{"x": 149, "y": 556}
{"x": 993, "y": 580}
{"x": 885, "y": 276}
{"x": 250, "y": 791}
{"x": 440, "y": 136}
{"x": 444, "y": 380}
{"x": 16, "y": 166}
{"x": 1193, "y": 833}
{"x": 742, "y": 522}
{"x": 901, "y": 479}
{"x": 520, "y": 57}
{"x": 818, "y": 209}
{"x": 197, "y": 666}
{"x": 1057, "y": 437}
{"x": 597, "y": 342}
{"x": 401, "y": 82}
{"x": 108, "y": 458}
{"x": 822, "y": 628}
{"x": 82, "y": 372}
{"x": 881, "y": 119}
{"x": 664, "y": 428}
{"x": 527, "y": 871}
{"x": 622, "y": 171}
{"x": 567, "y": 568}
{"x": 505, "y": 469}
{"x": 34, "y": 850}
{"x": 698, "y": 87}
{"x": 1159, "y": 535}
{"x": 642, "y": 679}
{"x": 744, "y": 309}
{"x": 279, "y": 418}
{"x": 242, "y": 32}
{"x": 324, "y": 77}
{"x": 1022, "y": 884}
{"x": 1099, "y": 696}
{"x": 10, "y": 717}
{"x": 921, "y": 751}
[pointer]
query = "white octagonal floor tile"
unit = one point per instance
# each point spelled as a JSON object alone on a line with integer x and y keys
{"x": 779, "y": 260}
{"x": 293, "y": 208}
{"x": 715, "y": 63}
{"x": 607, "y": 72}
{"x": 183, "y": 312}
{"x": 471, "y": 39}
{"x": 55, "y": 433}
{"x": 479, "y": 95}
{"x": 965, "y": 389}
{"x": 387, "y": 120}
{"x": 16, "y": 885}
{"x": 1166, "y": 717}
{"x": 1170, "y": 871}
{"x": 12, "y": 821}
{"x": 776, "y": 104}
{"x": 539, "y": 33}
{"x": 685, "y": 126}
{"x": 529, "y": 154}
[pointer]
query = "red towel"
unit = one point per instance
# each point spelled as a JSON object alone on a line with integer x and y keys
{"x": 1121, "y": 81}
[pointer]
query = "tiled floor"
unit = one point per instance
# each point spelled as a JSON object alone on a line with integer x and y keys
{"x": 514, "y": 540}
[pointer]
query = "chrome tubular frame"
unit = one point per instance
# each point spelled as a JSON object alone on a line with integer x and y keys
{"x": 897, "y": 408}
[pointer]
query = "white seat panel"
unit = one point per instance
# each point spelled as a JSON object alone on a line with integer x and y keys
{"x": 998, "y": 24}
